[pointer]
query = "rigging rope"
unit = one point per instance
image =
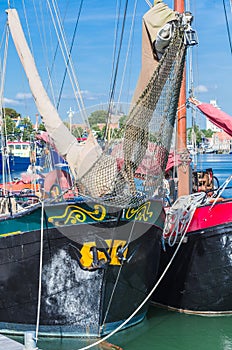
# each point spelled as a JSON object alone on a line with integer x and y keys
{"x": 227, "y": 26}
{"x": 40, "y": 270}
{"x": 28, "y": 29}
{"x": 115, "y": 42}
{"x": 50, "y": 71}
{"x": 220, "y": 190}
{"x": 42, "y": 33}
{"x": 5, "y": 156}
{"x": 128, "y": 49}
{"x": 70, "y": 68}
{"x": 116, "y": 71}
{"x": 118, "y": 275}
{"x": 70, "y": 51}
{"x": 149, "y": 3}
{"x": 179, "y": 214}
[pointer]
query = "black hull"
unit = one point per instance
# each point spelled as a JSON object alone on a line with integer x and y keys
{"x": 77, "y": 300}
{"x": 199, "y": 280}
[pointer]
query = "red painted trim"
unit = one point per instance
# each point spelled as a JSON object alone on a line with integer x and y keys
{"x": 208, "y": 216}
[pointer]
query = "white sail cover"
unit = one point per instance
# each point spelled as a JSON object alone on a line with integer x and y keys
{"x": 153, "y": 21}
{"x": 66, "y": 144}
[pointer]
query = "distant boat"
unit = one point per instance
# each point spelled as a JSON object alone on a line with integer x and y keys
{"x": 18, "y": 154}
{"x": 209, "y": 150}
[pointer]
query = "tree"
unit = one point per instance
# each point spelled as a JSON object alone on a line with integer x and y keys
{"x": 13, "y": 130}
{"x": 122, "y": 121}
{"x": 98, "y": 117}
{"x": 8, "y": 126}
{"x": 41, "y": 127}
{"x": 11, "y": 113}
{"x": 208, "y": 133}
{"x": 26, "y": 129}
{"x": 198, "y": 134}
{"x": 77, "y": 132}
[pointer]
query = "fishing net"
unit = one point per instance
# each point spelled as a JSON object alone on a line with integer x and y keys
{"x": 131, "y": 168}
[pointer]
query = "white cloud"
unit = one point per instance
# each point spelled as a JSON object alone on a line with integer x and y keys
{"x": 23, "y": 96}
{"x": 9, "y": 101}
{"x": 201, "y": 88}
{"x": 88, "y": 95}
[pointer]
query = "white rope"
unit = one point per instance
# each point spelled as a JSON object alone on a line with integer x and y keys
{"x": 118, "y": 275}
{"x": 178, "y": 216}
{"x": 40, "y": 271}
{"x": 127, "y": 54}
{"x": 27, "y": 25}
{"x": 149, "y": 3}
{"x": 221, "y": 190}
{"x": 5, "y": 162}
{"x": 43, "y": 30}
{"x": 66, "y": 56}
{"x": 147, "y": 297}
{"x": 180, "y": 108}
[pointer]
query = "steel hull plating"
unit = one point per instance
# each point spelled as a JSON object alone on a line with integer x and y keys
{"x": 17, "y": 163}
{"x": 199, "y": 279}
{"x": 80, "y": 296}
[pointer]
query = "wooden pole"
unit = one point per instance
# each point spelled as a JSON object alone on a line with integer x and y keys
{"x": 183, "y": 168}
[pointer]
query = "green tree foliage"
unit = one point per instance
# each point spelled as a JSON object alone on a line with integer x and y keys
{"x": 26, "y": 128}
{"x": 98, "y": 117}
{"x": 208, "y": 133}
{"x": 122, "y": 121}
{"x": 9, "y": 127}
{"x": 199, "y": 134}
{"x": 10, "y": 112}
{"x": 23, "y": 131}
{"x": 77, "y": 132}
{"x": 41, "y": 127}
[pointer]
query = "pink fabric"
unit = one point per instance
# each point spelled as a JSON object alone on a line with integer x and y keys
{"x": 217, "y": 117}
{"x": 59, "y": 177}
{"x": 173, "y": 160}
{"x": 28, "y": 178}
{"x": 150, "y": 165}
{"x": 44, "y": 136}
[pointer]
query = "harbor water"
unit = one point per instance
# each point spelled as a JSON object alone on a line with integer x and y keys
{"x": 168, "y": 330}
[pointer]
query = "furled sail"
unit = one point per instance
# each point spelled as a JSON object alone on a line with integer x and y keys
{"x": 66, "y": 144}
{"x": 219, "y": 118}
{"x": 153, "y": 23}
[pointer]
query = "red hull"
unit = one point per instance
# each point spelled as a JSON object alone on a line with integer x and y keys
{"x": 211, "y": 215}
{"x": 199, "y": 279}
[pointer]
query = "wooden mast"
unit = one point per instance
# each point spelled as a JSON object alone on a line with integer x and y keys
{"x": 183, "y": 168}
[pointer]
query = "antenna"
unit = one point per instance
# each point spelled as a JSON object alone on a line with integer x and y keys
{"x": 70, "y": 115}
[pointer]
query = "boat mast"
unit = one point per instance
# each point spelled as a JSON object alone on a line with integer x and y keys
{"x": 183, "y": 169}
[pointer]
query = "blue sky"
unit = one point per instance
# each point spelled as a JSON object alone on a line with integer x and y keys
{"x": 93, "y": 51}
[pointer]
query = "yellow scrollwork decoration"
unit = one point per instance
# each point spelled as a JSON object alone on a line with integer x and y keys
{"x": 141, "y": 213}
{"x": 74, "y": 214}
